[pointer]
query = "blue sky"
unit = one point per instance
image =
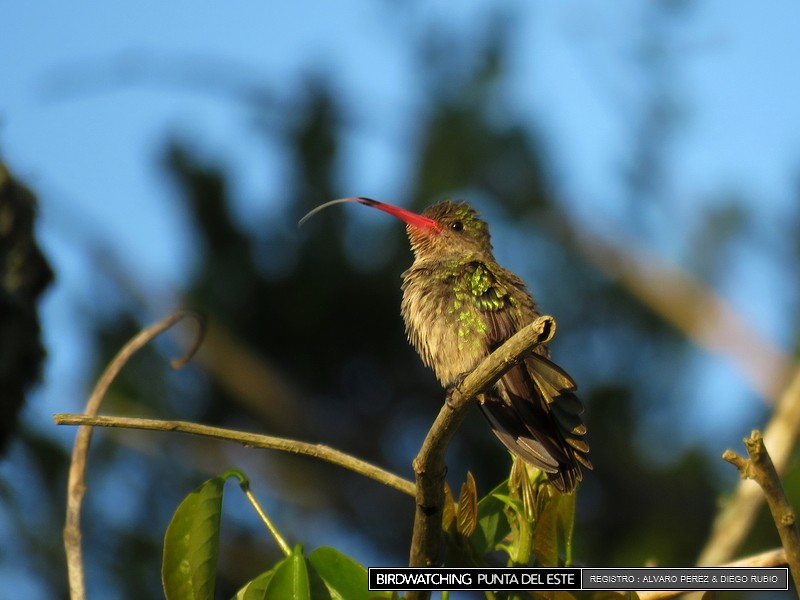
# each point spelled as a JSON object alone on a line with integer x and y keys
{"x": 84, "y": 131}
{"x": 86, "y": 138}
{"x": 89, "y": 148}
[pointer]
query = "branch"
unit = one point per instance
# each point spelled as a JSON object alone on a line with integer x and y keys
{"x": 429, "y": 465}
{"x": 734, "y": 523}
{"x": 771, "y": 558}
{"x": 249, "y": 440}
{"x": 759, "y": 467}
{"x": 690, "y": 305}
{"x": 76, "y": 486}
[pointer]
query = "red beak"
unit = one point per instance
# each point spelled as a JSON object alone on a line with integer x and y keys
{"x": 413, "y": 219}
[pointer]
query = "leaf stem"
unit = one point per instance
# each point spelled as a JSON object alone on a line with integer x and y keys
{"x": 285, "y": 548}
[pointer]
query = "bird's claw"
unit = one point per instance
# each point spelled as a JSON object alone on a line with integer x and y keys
{"x": 453, "y": 388}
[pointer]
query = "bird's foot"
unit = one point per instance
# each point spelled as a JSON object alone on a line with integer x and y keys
{"x": 454, "y": 387}
{"x": 448, "y": 398}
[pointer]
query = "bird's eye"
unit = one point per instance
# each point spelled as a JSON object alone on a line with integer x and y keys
{"x": 457, "y": 226}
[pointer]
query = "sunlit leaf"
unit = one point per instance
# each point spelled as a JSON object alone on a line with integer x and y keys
{"x": 493, "y": 525}
{"x": 343, "y": 577}
{"x": 449, "y": 509}
{"x": 518, "y": 543}
{"x": 566, "y": 523}
{"x": 290, "y": 579}
{"x": 468, "y": 507}
{"x": 191, "y": 544}
{"x": 545, "y": 531}
{"x": 256, "y": 588}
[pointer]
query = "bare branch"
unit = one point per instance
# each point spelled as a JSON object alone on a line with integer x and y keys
{"x": 759, "y": 468}
{"x": 76, "y": 487}
{"x": 429, "y": 465}
{"x": 733, "y": 524}
{"x": 250, "y": 440}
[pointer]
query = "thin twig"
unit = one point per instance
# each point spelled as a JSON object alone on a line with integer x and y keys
{"x": 76, "y": 487}
{"x": 250, "y": 440}
{"x": 429, "y": 465}
{"x": 771, "y": 558}
{"x": 759, "y": 468}
{"x": 734, "y": 523}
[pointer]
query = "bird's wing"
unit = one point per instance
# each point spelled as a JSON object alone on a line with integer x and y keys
{"x": 500, "y": 297}
{"x": 533, "y": 410}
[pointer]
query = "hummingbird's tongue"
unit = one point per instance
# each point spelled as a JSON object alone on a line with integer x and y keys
{"x": 409, "y": 217}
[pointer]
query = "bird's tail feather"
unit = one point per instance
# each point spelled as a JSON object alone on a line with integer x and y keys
{"x": 534, "y": 411}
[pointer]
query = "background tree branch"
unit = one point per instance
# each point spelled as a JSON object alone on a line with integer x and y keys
{"x": 691, "y": 306}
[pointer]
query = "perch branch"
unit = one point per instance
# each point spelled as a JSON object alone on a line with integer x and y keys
{"x": 429, "y": 465}
{"x": 76, "y": 486}
{"x": 250, "y": 440}
{"x": 759, "y": 468}
{"x": 733, "y": 524}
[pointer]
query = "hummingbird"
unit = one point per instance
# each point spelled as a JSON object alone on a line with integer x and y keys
{"x": 458, "y": 306}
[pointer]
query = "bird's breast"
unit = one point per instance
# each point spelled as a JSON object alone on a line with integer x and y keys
{"x": 447, "y": 330}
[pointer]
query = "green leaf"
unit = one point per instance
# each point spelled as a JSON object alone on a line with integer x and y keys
{"x": 566, "y": 523}
{"x": 343, "y": 577}
{"x": 289, "y": 579}
{"x": 256, "y": 588}
{"x": 493, "y": 525}
{"x": 191, "y": 544}
{"x": 521, "y": 484}
{"x": 545, "y": 533}
{"x": 518, "y": 543}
